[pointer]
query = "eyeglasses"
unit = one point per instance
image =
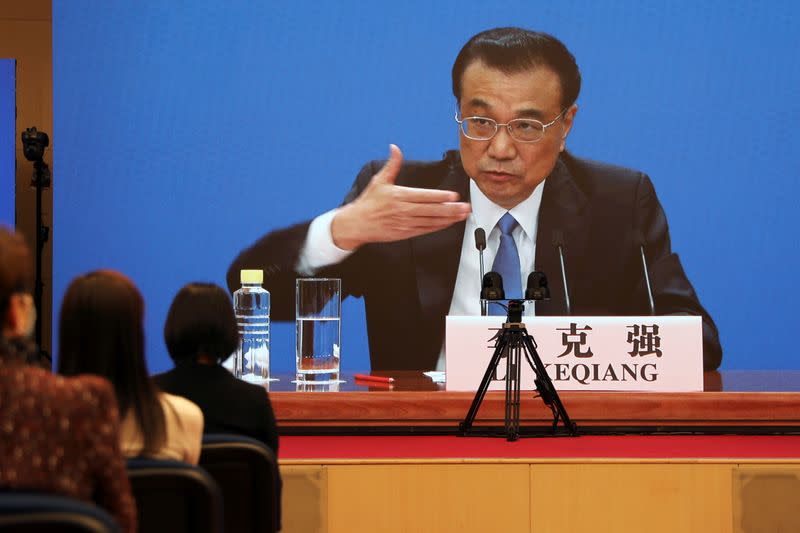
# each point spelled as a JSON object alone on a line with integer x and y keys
{"x": 524, "y": 130}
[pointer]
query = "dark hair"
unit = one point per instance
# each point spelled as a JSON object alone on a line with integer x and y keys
{"x": 101, "y": 332}
{"x": 16, "y": 272}
{"x": 200, "y": 321}
{"x": 513, "y": 50}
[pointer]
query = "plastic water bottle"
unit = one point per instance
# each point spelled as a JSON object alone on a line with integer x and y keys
{"x": 251, "y": 305}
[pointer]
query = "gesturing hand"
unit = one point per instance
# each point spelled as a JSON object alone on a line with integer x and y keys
{"x": 385, "y": 212}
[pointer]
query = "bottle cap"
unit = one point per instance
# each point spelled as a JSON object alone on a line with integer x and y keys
{"x": 252, "y": 276}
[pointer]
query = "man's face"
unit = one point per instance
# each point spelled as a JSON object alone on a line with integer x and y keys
{"x": 505, "y": 170}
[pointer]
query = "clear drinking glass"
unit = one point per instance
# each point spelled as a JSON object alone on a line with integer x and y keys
{"x": 318, "y": 327}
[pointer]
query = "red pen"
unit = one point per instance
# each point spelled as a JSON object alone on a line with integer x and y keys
{"x": 379, "y": 379}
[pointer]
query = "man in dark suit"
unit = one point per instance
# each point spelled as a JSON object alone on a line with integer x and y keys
{"x": 403, "y": 240}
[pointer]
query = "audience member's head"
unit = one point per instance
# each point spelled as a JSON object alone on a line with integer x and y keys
{"x": 17, "y": 312}
{"x": 101, "y": 332}
{"x": 201, "y": 325}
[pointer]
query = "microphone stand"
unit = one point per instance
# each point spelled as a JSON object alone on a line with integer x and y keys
{"x": 511, "y": 342}
{"x": 558, "y": 241}
{"x": 647, "y": 284}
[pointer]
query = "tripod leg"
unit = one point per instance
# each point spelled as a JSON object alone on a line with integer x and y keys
{"x": 549, "y": 393}
{"x": 499, "y": 349}
{"x": 510, "y": 373}
{"x": 513, "y": 389}
{"x": 518, "y": 385}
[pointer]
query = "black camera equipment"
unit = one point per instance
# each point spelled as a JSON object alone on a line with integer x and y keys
{"x": 34, "y": 144}
{"x": 511, "y": 342}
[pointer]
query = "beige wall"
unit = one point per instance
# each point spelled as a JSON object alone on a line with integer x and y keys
{"x": 26, "y": 35}
{"x": 541, "y": 496}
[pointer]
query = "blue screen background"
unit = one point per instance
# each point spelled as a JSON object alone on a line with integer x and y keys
{"x": 7, "y": 131}
{"x": 186, "y": 130}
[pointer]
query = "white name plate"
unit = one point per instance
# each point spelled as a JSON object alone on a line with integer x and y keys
{"x": 612, "y": 353}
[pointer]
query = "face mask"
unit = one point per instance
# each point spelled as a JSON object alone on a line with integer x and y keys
{"x": 28, "y": 326}
{"x": 24, "y": 302}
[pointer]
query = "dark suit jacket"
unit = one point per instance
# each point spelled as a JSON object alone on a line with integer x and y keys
{"x": 229, "y": 405}
{"x": 408, "y": 285}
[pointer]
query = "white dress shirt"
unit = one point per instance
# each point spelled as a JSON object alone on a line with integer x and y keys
{"x": 485, "y": 214}
{"x": 320, "y": 251}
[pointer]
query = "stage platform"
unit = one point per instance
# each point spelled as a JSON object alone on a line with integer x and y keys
{"x": 385, "y": 457}
{"x": 614, "y": 484}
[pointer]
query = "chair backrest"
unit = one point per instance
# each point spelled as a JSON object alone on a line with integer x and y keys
{"x": 34, "y": 512}
{"x": 247, "y": 473}
{"x": 174, "y": 496}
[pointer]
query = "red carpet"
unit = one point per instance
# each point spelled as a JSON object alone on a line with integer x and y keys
{"x": 629, "y": 446}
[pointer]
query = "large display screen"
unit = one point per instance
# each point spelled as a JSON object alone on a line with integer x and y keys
{"x": 184, "y": 131}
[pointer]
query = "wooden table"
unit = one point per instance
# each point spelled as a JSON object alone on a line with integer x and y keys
{"x": 733, "y": 402}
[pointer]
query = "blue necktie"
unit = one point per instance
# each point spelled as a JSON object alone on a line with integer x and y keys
{"x": 506, "y": 262}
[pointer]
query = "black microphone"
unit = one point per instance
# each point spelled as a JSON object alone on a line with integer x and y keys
{"x": 558, "y": 242}
{"x": 537, "y": 288}
{"x": 492, "y": 287}
{"x": 480, "y": 244}
{"x": 641, "y": 242}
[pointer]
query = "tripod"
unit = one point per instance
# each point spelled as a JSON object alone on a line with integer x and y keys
{"x": 510, "y": 342}
{"x": 40, "y": 180}
{"x": 34, "y": 144}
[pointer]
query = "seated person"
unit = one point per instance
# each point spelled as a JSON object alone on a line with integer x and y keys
{"x": 59, "y": 435}
{"x": 201, "y": 333}
{"x": 403, "y": 239}
{"x": 101, "y": 332}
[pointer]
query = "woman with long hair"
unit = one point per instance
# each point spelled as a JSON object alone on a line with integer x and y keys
{"x": 101, "y": 332}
